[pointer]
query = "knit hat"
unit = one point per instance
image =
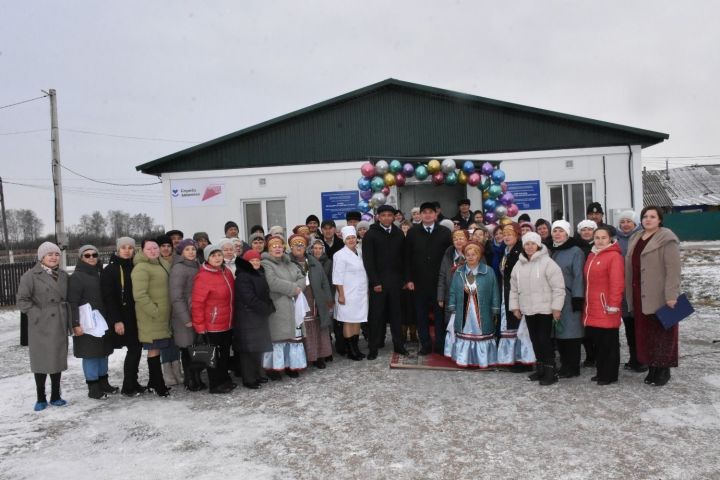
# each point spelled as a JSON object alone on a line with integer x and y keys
{"x": 230, "y": 224}
{"x": 251, "y": 255}
{"x": 363, "y": 224}
{"x": 447, "y": 223}
{"x": 594, "y": 207}
{"x": 223, "y": 242}
{"x": 122, "y": 241}
{"x": 312, "y": 218}
{"x": 627, "y": 215}
{"x": 256, "y": 236}
{"x": 207, "y": 251}
{"x": 277, "y": 230}
{"x": 348, "y": 231}
{"x": 527, "y": 224}
{"x": 46, "y": 248}
{"x": 198, "y": 235}
{"x": 586, "y": 224}
{"x": 565, "y": 225}
{"x": 185, "y": 242}
{"x": 532, "y": 237}
{"x": 85, "y": 248}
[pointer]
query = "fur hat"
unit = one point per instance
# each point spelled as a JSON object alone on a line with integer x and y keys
{"x": 198, "y": 235}
{"x": 627, "y": 215}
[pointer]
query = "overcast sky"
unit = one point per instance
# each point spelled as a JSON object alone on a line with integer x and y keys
{"x": 192, "y": 71}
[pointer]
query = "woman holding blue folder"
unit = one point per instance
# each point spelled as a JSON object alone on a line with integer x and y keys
{"x": 652, "y": 281}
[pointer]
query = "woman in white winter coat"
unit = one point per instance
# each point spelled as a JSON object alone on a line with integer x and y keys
{"x": 537, "y": 290}
{"x": 351, "y": 296}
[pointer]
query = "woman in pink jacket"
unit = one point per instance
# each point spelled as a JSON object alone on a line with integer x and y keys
{"x": 604, "y": 286}
{"x": 212, "y": 313}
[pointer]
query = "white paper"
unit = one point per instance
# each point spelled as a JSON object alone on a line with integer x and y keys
{"x": 91, "y": 321}
{"x": 301, "y": 308}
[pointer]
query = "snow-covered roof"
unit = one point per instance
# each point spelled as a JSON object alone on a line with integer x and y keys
{"x": 681, "y": 187}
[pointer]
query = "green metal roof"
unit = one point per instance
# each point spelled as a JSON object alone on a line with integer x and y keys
{"x": 397, "y": 118}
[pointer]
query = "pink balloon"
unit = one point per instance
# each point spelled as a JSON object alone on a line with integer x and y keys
{"x": 438, "y": 178}
{"x": 512, "y": 210}
{"x": 474, "y": 179}
{"x": 386, "y": 191}
{"x": 400, "y": 179}
{"x": 367, "y": 169}
{"x": 503, "y": 186}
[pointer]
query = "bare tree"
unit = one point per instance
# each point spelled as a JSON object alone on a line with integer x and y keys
{"x": 93, "y": 225}
{"x": 141, "y": 225}
{"x": 118, "y": 223}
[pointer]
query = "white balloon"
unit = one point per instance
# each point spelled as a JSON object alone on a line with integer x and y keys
{"x": 501, "y": 211}
{"x": 448, "y": 165}
{"x": 381, "y": 167}
{"x": 378, "y": 199}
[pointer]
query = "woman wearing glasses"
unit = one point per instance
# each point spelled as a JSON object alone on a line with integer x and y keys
{"x": 84, "y": 288}
{"x": 42, "y": 296}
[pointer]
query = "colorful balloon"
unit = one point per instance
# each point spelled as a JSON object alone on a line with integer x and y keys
{"x": 367, "y": 217}
{"x": 501, "y": 211}
{"x": 377, "y": 184}
{"x": 389, "y": 179}
{"x": 367, "y": 170}
{"x": 495, "y": 191}
{"x": 507, "y": 198}
{"x": 378, "y": 199}
{"x": 451, "y": 178}
{"x": 498, "y": 176}
{"x": 474, "y": 179}
{"x": 486, "y": 169}
{"x": 504, "y": 186}
{"x": 438, "y": 178}
{"x": 366, "y": 194}
{"x": 468, "y": 167}
{"x": 505, "y": 221}
{"x": 364, "y": 184}
{"x": 421, "y": 172}
{"x": 381, "y": 167}
{"x": 400, "y": 179}
{"x": 363, "y": 206}
{"x": 462, "y": 178}
{"x": 512, "y": 210}
{"x": 385, "y": 191}
{"x": 447, "y": 166}
{"x": 395, "y": 166}
{"x": 434, "y": 166}
{"x": 489, "y": 205}
{"x": 485, "y": 184}
{"x": 408, "y": 170}
{"x": 485, "y": 195}
{"x": 490, "y": 217}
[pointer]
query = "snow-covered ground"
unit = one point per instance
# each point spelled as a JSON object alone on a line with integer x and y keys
{"x": 361, "y": 420}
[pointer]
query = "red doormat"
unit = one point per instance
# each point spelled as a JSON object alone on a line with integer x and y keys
{"x": 433, "y": 361}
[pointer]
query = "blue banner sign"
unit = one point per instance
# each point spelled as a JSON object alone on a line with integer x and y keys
{"x": 336, "y": 204}
{"x": 527, "y": 194}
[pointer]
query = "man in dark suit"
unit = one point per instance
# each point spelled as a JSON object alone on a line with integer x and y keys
{"x": 464, "y": 216}
{"x": 425, "y": 245}
{"x": 382, "y": 251}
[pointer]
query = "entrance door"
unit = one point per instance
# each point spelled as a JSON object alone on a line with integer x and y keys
{"x": 411, "y": 196}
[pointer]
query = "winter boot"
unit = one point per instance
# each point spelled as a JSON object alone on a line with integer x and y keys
{"x": 537, "y": 375}
{"x": 349, "y": 345}
{"x": 274, "y": 375}
{"x": 356, "y": 347}
{"x": 340, "y": 343}
{"x": 650, "y": 377}
{"x": 105, "y": 385}
{"x": 413, "y": 333}
{"x": 157, "y": 381}
{"x": 662, "y": 376}
{"x": 95, "y": 390}
{"x": 404, "y": 330}
{"x": 548, "y": 375}
{"x": 178, "y": 372}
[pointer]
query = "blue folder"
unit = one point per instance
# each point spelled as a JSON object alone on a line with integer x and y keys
{"x": 669, "y": 317}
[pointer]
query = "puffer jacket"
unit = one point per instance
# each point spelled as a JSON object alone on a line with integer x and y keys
{"x": 604, "y": 286}
{"x": 537, "y": 285}
{"x": 212, "y": 299}
{"x": 152, "y": 298}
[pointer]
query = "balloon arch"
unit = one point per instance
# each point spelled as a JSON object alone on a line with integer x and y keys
{"x": 376, "y": 179}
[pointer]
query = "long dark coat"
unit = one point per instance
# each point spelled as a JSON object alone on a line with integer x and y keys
{"x": 320, "y": 288}
{"x": 383, "y": 258}
{"x": 182, "y": 279}
{"x": 571, "y": 261}
{"x": 423, "y": 254}
{"x": 84, "y": 287}
{"x": 253, "y": 306}
{"x": 116, "y": 286}
{"x": 506, "y": 266}
{"x": 44, "y": 300}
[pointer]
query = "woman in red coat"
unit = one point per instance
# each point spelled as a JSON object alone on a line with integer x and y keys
{"x": 604, "y": 286}
{"x": 212, "y": 313}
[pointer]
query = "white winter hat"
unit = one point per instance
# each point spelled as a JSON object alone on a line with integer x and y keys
{"x": 348, "y": 231}
{"x": 447, "y": 223}
{"x": 46, "y": 248}
{"x": 532, "y": 237}
{"x": 586, "y": 224}
{"x": 565, "y": 225}
{"x": 627, "y": 215}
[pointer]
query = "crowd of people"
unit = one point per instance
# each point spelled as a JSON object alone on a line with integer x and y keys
{"x": 515, "y": 296}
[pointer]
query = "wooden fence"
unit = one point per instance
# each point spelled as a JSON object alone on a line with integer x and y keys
{"x": 10, "y": 274}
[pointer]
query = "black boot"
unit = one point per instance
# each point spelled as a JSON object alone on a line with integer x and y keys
{"x": 340, "y": 343}
{"x": 537, "y": 375}
{"x": 319, "y": 363}
{"x": 548, "y": 376}
{"x": 372, "y": 354}
{"x": 650, "y": 377}
{"x": 662, "y": 376}
{"x": 350, "y": 348}
{"x": 95, "y": 390}
{"x": 105, "y": 385}
{"x": 274, "y": 375}
{"x": 356, "y": 340}
{"x": 156, "y": 383}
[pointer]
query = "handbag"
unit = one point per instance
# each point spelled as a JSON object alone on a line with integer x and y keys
{"x": 202, "y": 353}
{"x": 669, "y": 317}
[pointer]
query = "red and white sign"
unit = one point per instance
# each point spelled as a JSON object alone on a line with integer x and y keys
{"x": 197, "y": 192}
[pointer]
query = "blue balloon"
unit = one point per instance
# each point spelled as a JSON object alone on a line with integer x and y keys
{"x": 364, "y": 184}
{"x": 451, "y": 178}
{"x": 395, "y": 166}
{"x": 363, "y": 206}
{"x": 498, "y": 176}
{"x": 489, "y": 205}
{"x": 468, "y": 167}
{"x": 421, "y": 172}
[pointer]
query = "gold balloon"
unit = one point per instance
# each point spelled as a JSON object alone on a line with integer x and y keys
{"x": 462, "y": 178}
{"x": 434, "y": 166}
{"x": 485, "y": 195}
{"x": 505, "y": 221}
{"x": 389, "y": 179}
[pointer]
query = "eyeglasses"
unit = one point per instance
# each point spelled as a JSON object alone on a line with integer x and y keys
{"x": 90, "y": 255}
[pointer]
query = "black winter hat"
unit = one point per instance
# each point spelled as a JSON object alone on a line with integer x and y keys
{"x": 353, "y": 215}
{"x": 312, "y": 218}
{"x": 430, "y": 205}
{"x": 594, "y": 207}
{"x": 163, "y": 239}
{"x": 229, "y": 225}
{"x": 386, "y": 208}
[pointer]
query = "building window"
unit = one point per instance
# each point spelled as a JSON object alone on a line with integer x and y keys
{"x": 267, "y": 213}
{"x": 569, "y": 201}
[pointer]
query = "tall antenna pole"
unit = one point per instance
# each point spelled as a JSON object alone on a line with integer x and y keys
{"x": 60, "y": 236}
{"x": 4, "y": 224}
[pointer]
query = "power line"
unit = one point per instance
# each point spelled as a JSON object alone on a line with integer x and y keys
{"x": 113, "y": 135}
{"x": 693, "y": 156}
{"x": 110, "y": 183}
{"x": 21, "y": 102}
{"x": 24, "y": 132}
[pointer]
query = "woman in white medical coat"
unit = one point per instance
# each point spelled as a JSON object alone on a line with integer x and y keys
{"x": 351, "y": 296}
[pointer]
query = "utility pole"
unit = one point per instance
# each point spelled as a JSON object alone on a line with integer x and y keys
{"x": 60, "y": 236}
{"x": 4, "y": 224}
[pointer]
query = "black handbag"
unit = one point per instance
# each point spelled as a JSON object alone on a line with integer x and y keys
{"x": 202, "y": 353}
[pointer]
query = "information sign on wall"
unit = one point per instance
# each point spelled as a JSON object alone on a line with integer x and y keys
{"x": 197, "y": 192}
{"x": 336, "y": 204}
{"x": 526, "y": 193}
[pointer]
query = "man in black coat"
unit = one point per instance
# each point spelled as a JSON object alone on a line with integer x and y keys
{"x": 331, "y": 242}
{"x": 464, "y": 216}
{"x": 382, "y": 251}
{"x": 425, "y": 245}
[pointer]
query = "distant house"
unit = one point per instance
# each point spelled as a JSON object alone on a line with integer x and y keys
{"x": 690, "y": 197}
